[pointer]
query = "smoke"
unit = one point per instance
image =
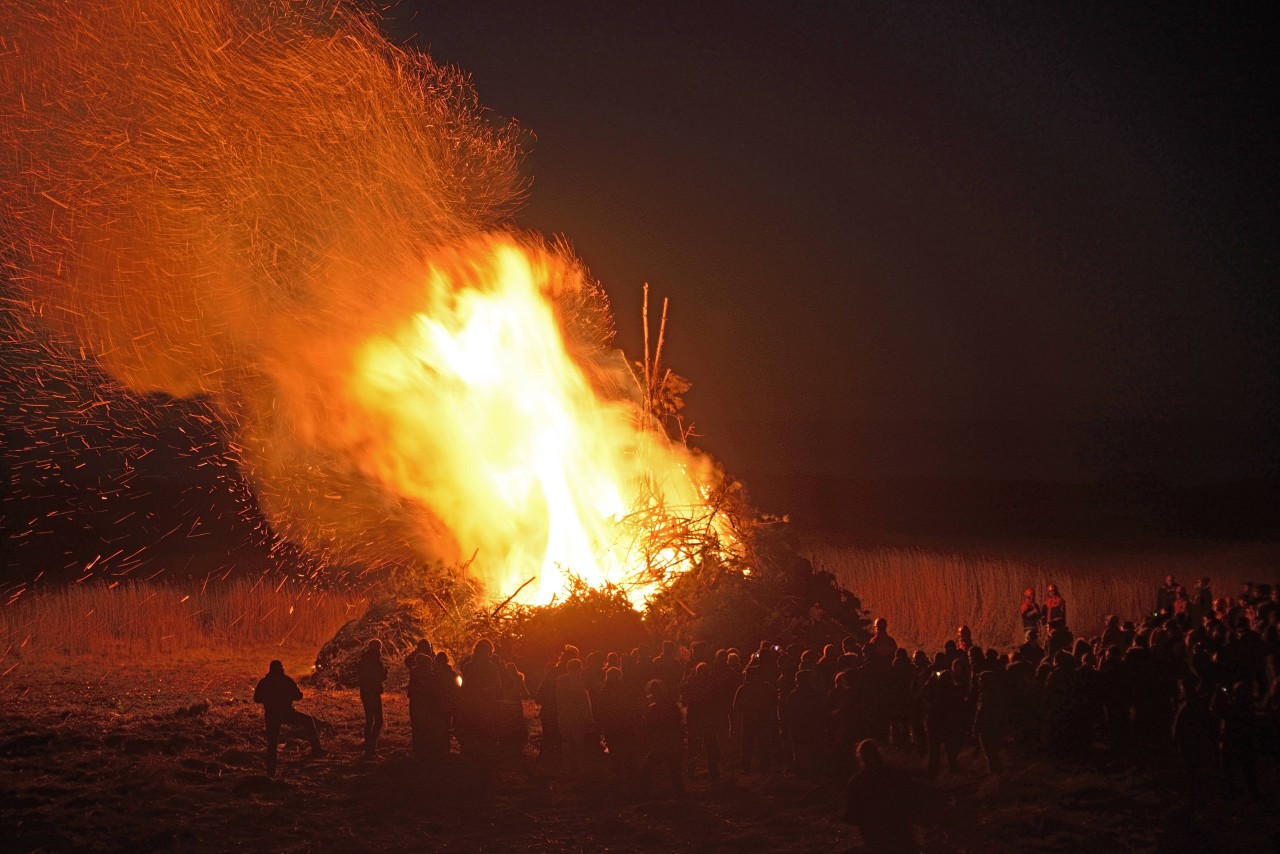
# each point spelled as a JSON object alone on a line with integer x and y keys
{"x": 229, "y": 200}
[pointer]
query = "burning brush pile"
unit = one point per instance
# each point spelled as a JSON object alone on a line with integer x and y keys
{"x": 269, "y": 210}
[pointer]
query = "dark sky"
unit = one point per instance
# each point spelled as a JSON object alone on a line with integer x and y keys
{"x": 952, "y": 239}
{"x": 921, "y": 240}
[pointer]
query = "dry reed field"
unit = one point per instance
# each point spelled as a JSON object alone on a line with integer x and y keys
{"x": 926, "y": 593}
{"x": 140, "y": 619}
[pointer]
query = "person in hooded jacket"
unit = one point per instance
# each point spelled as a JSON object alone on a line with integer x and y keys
{"x": 371, "y": 673}
{"x": 883, "y": 803}
{"x": 277, "y": 693}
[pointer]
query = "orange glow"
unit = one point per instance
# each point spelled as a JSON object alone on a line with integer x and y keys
{"x": 307, "y": 231}
{"x": 485, "y": 419}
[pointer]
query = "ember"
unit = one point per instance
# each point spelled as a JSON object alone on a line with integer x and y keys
{"x": 273, "y": 209}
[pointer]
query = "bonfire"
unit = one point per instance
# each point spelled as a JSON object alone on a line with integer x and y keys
{"x": 307, "y": 234}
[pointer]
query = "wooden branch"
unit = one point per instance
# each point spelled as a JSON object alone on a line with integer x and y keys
{"x": 507, "y": 601}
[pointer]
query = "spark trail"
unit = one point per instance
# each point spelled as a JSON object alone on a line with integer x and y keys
{"x": 268, "y": 207}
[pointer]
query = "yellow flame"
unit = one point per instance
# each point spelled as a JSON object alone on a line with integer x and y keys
{"x": 487, "y": 420}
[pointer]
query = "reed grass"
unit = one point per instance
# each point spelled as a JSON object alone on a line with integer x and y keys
{"x": 927, "y": 593}
{"x": 147, "y": 619}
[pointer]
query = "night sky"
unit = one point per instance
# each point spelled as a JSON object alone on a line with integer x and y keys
{"x": 916, "y": 240}
{"x": 921, "y": 243}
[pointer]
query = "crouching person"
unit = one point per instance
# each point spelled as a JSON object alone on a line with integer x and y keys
{"x": 276, "y": 692}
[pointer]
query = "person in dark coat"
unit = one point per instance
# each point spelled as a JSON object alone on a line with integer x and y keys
{"x": 882, "y": 802}
{"x": 277, "y": 693}
{"x": 1055, "y": 609}
{"x": 1195, "y": 734}
{"x": 755, "y": 716}
{"x": 944, "y": 720}
{"x": 1031, "y": 651}
{"x": 370, "y": 675}
{"x": 991, "y": 719}
{"x": 664, "y": 733}
{"x": 1202, "y": 599}
{"x": 704, "y": 717}
{"x": 804, "y": 723}
{"x": 669, "y": 668}
{"x": 424, "y": 702}
{"x": 1029, "y": 613}
{"x": 546, "y": 698}
{"x": 446, "y": 707}
{"x": 620, "y": 716}
{"x": 1238, "y": 712}
{"x": 1165, "y": 596}
{"x": 478, "y": 704}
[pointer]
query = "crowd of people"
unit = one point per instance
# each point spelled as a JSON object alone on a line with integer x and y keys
{"x": 1197, "y": 679}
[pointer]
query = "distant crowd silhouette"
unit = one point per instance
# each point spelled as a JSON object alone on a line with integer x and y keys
{"x": 1196, "y": 682}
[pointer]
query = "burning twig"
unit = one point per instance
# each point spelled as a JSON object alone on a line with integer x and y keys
{"x": 507, "y": 601}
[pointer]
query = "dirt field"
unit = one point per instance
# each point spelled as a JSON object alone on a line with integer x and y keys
{"x": 168, "y": 757}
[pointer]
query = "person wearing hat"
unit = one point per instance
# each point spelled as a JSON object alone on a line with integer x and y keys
{"x": 1055, "y": 609}
{"x": 1030, "y": 611}
{"x": 277, "y": 693}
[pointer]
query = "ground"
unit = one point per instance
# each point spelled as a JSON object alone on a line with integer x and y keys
{"x": 167, "y": 756}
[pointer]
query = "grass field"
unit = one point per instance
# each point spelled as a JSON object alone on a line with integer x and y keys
{"x": 142, "y": 619}
{"x": 926, "y": 593}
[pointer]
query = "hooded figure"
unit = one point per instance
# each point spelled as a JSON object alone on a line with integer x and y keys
{"x": 277, "y": 693}
{"x": 371, "y": 673}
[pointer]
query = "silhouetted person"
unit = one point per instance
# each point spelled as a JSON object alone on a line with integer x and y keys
{"x": 424, "y": 703}
{"x": 704, "y": 717}
{"x": 755, "y": 712}
{"x": 478, "y": 704}
{"x": 804, "y": 723}
{"x": 1195, "y": 734}
{"x": 898, "y": 696}
{"x": 546, "y": 698}
{"x": 1164, "y": 597}
{"x": 620, "y": 716}
{"x": 944, "y": 720}
{"x": 1063, "y": 702}
{"x": 1031, "y": 651}
{"x": 574, "y": 717}
{"x": 277, "y": 693}
{"x": 669, "y": 668}
{"x": 991, "y": 720}
{"x": 446, "y": 708}
{"x": 664, "y": 732}
{"x": 881, "y": 642}
{"x": 882, "y": 803}
{"x": 1113, "y": 693}
{"x": 1202, "y": 600}
{"x": 1113, "y": 634}
{"x": 370, "y": 674}
{"x": 513, "y": 733}
{"x": 1236, "y": 708}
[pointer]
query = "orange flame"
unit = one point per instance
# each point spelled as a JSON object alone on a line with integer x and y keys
{"x": 269, "y": 208}
{"x": 485, "y": 419}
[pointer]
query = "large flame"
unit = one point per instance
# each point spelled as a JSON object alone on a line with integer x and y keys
{"x": 266, "y": 206}
{"x": 482, "y": 415}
